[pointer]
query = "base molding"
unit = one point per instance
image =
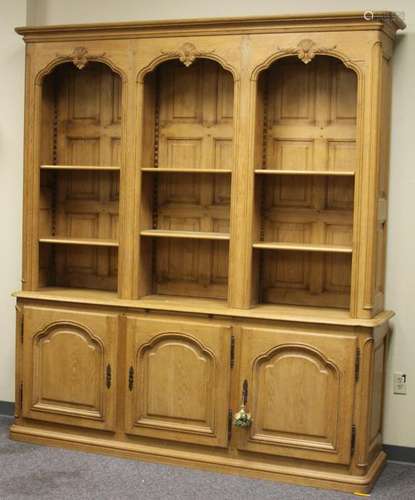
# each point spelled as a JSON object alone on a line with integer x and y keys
{"x": 197, "y": 460}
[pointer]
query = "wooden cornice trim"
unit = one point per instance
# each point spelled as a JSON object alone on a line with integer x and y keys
{"x": 386, "y": 21}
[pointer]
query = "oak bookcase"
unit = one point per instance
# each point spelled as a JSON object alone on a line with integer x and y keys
{"x": 204, "y": 230}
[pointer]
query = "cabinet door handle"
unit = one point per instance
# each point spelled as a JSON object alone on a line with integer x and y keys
{"x": 242, "y": 418}
{"x": 131, "y": 378}
{"x": 108, "y": 376}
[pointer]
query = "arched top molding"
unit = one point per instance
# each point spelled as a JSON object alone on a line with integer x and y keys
{"x": 58, "y": 326}
{"x": 80, "y": 57}
{"x": 318, "y": 356}
{"x": 183, "y": 337}
{"x": 187, "y": 54}
{"x": 306, "y": 50}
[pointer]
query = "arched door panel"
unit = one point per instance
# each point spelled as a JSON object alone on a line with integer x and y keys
{"x": 300, "y": 393}
{"x": 69, "y": 367}
{"x": 178, "y": 379}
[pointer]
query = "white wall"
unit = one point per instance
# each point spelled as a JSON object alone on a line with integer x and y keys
{"x": 11, "y": 169}
{"x": 400, "y": 290}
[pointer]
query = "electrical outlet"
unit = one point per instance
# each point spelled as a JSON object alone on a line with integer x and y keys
{"x": 399, "y": 383}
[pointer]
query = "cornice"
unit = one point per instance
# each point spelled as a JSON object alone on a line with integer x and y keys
{"x": 386, "y": 21}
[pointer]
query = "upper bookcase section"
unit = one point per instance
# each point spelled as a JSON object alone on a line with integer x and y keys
{"x": 386, "y": 21}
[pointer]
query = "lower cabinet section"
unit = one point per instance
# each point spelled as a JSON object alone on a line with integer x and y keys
{"x": 69, "y": 364}
{"x": 178, "y": 380}
{"x": 172, "y": 384}
{"x": 300, "y": 389}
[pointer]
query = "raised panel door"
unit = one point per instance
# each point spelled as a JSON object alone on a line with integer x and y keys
{"x": 300, "y": 393}
{"x": 69, "y": 367}
{"x": 178, "y": 380}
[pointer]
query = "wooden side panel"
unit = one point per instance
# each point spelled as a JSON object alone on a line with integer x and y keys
{"x": 178, "y": 379}
{"x": 300, "y": 393}
{"x": 376, "y": 391}
{"x": 383, "y": 188}
{"x": 69, "y": 369}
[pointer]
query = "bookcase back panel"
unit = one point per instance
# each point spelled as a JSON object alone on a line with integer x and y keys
{"x": 306, "y": 278}
{"x": 192, "y": 268}
{"x": 81, "y": 120}
{"x": 75, "y": 266}
{"x": 191, "y": 112}
{"x": 308, "y": 209}
{"x": 193, "y": 202}
{"x": 87, "y": 205}
{"x": 195, "y": 116}
{"x": 88, "y": 115}
{"x": 309, "y": 115}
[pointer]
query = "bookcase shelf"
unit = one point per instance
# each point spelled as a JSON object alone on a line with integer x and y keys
{"x": 197, "y": 235}
{"x": 188, "y": 170}
{"x": 264, "y": 171}
{"x": 99, "y": 168}
{"x": 80, "y": 241}
{"x": 305, "y": 247}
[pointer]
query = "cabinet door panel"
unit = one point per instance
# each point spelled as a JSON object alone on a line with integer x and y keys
{"x": 300, "y": 393}
{"x": 69, "y": 367}
{"x": 181, "y": 380}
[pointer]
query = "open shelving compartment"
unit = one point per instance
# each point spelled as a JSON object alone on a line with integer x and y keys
{"x": 305, "y": 162}
{"x": 187, "y": 162}
{"x": 79, "y": 178}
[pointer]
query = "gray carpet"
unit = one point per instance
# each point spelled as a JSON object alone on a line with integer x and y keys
{"x": 29, "y": 471}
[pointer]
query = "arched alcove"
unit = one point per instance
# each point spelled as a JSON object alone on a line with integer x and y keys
{"x": 187, "y": 160}
{"x": 80, "y": 158}
{"x": 305, "y": 160}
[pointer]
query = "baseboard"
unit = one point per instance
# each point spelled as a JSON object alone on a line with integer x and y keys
{"x": 395, "y": 453}
{"x": 7, "y": 408}
{"x": 400, "y": 453}
{"x": 202, "y": 460}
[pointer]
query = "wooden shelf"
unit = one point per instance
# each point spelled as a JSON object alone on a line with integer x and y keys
{"x": 304, "y": 172}
{"x": 304, "y": 314}
{"x": 80, "y": 167}
{"x": 188, "y": 170}
{"x": 304, "y": 247}
{"x": 80, "y": 241}
{"x": 197, "y": 235}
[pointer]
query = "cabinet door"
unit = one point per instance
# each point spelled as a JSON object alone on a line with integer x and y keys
{"x": 69, "y": 367}
{"x": 300, "y": 393}
{"x": 178, "y": 380}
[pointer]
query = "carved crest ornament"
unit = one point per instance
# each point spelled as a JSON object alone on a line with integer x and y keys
{"x": 306, "y": 50}
{"x": 187, "y": 53}
{"x": 80, "y": 57}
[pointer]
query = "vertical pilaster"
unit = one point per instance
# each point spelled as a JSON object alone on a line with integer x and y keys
{"x": 128, "y": 252}
{"x": 242, "y": 204}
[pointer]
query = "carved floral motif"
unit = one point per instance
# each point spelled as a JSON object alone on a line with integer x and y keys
{"x": 306, "y": 50}
{"x": 80, "y": 57}
{"x": 187, "y": 53}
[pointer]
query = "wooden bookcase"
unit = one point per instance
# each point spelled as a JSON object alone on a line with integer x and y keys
{"x": 204, "y": 231}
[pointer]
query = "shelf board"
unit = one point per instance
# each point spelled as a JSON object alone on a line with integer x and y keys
{"x": 320, "y": 315}
{"x": 304, "y": 247}
{"x": 189, "y": 170}
{"x": 98, "y": 242}
{"x": 80, "y": 167}
{"x": 304, "y": 172}
{"x": 197, "y": 235}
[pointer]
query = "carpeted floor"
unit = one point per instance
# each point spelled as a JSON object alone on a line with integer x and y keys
{"x": 29, "y": 471}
